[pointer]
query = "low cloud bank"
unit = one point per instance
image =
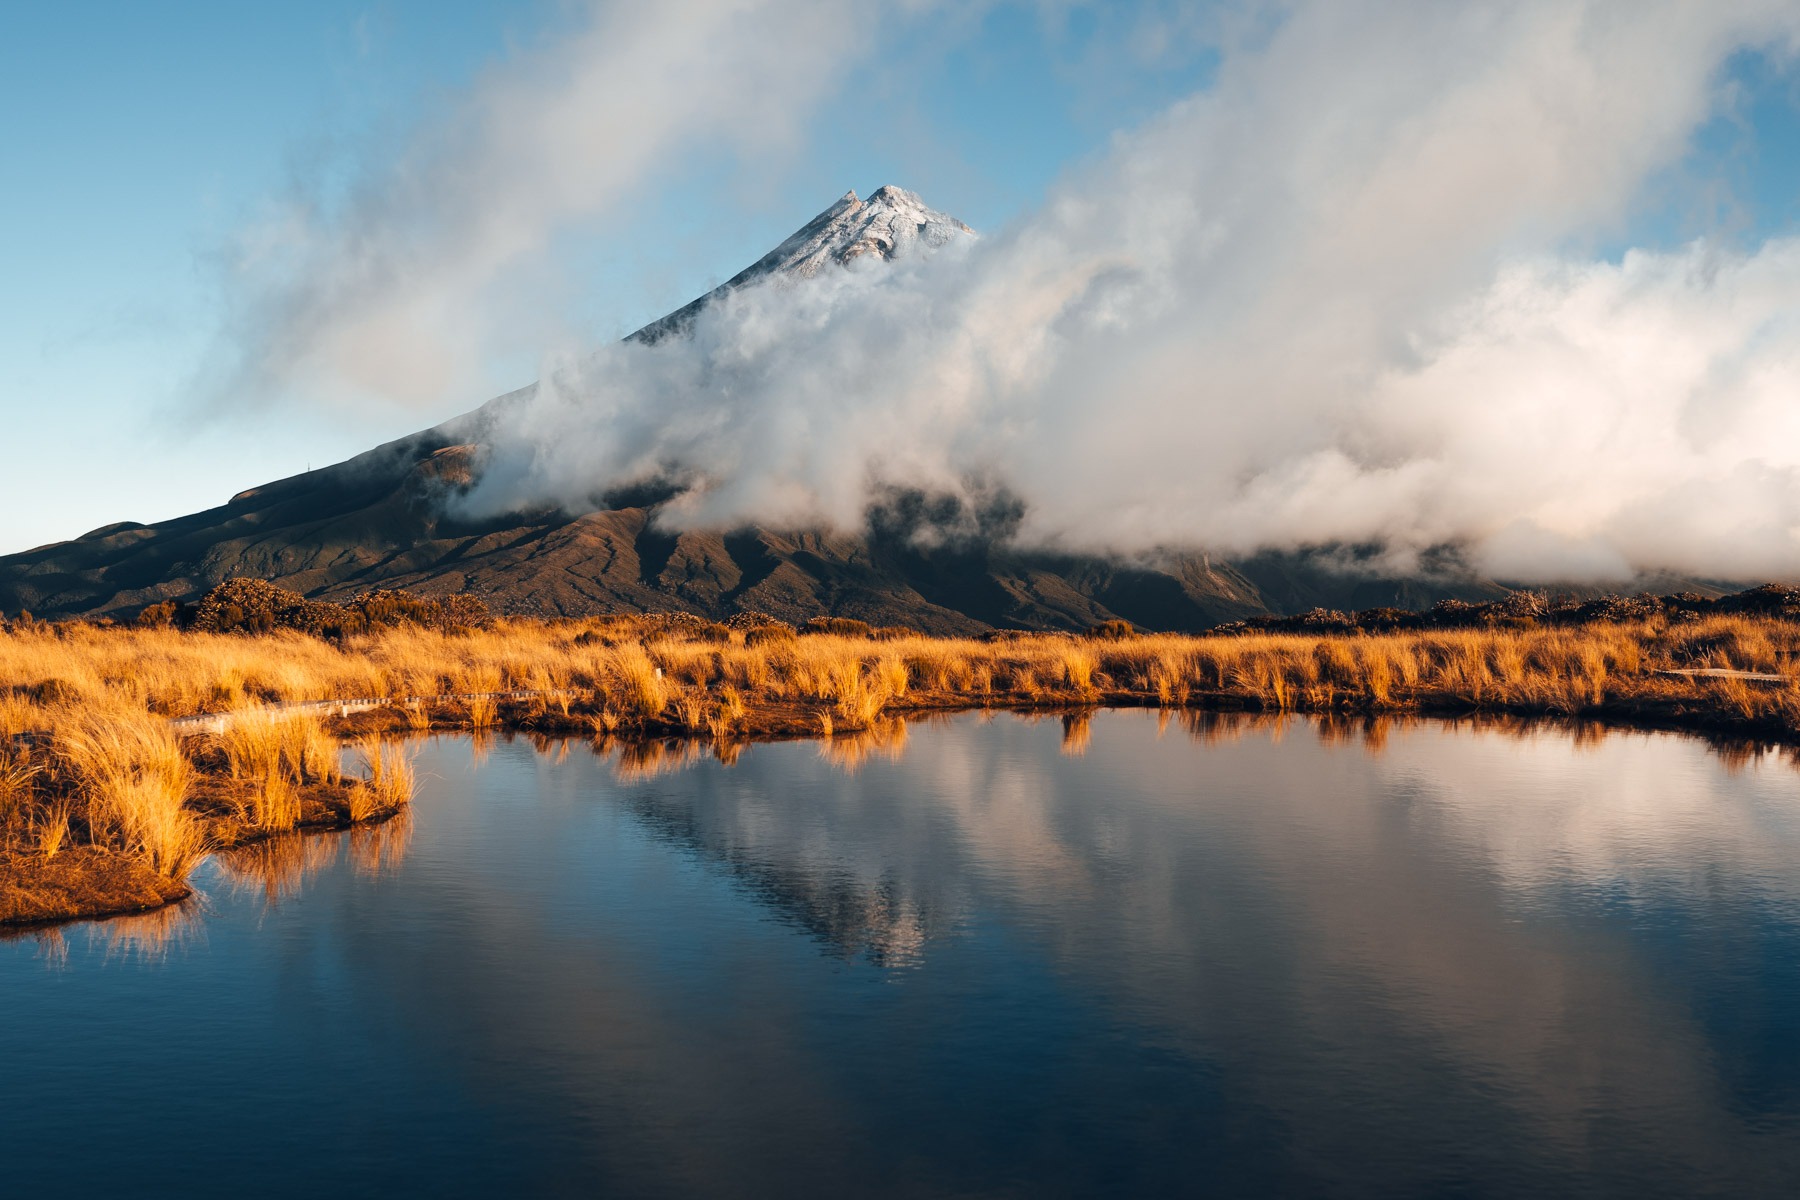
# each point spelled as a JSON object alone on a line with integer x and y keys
{"x": 1330, "y": 301}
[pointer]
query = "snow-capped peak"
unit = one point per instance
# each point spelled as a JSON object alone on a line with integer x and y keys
{"x": 889, "y": 224}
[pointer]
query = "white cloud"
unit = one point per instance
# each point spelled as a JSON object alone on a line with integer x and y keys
{"x": 1326, "y": 300}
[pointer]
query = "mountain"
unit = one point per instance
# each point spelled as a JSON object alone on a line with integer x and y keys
{"x": 891, "y": 223}
{"x": 379, "y": 520}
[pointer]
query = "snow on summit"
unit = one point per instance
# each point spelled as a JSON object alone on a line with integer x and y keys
{"x": 887, "y": 224}
{"x": 890, "y": 224}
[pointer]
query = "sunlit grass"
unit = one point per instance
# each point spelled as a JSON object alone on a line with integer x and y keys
{"x": 87, "y": 755}
{"x": 388, "y": 783}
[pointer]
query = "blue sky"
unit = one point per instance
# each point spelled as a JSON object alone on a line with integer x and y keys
{"x": 141, "y": 140}
{"x": 140, "y": 137}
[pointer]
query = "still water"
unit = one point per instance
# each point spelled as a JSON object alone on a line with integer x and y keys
{"x": 982, "y": 957}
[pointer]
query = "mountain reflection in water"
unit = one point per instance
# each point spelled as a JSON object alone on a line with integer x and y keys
{"x": 1110, "y": 953}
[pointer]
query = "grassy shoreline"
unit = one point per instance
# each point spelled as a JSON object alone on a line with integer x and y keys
{"x": 105, "y": 806}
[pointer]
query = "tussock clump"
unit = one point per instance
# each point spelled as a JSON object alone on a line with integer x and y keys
{"x": 278, "y": 754}
{"x": 1078, "y": 667}
{"x": 640, "y": 682}
{"x": 388, "y": 782}
{"x": 134, "y": 783}
{"x": 728, "y": 713}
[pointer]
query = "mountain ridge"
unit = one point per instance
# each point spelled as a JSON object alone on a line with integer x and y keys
{"x": 378, "y": 519}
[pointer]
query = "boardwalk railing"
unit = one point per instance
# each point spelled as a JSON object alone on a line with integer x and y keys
{"x": 1728, "y": 673}
{"x": 216, "y": 722}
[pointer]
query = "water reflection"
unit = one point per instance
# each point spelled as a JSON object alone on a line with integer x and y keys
{"x": 1092, "y": 953}
{"x": 381, "y": 849}
{"x": 1450, "y": 894}
{"x": 639, "y": 761}
{"x": 848, "y": 752}
{"x": 141, "y": 938}
{"x": 278, "y": 868}
{"x": 151, "y": 936}
{"x": 1078, "y": 731}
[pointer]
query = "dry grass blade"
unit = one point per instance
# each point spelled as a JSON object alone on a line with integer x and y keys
{"x": 50, "y": 831}
{"x": 17, "y": 776}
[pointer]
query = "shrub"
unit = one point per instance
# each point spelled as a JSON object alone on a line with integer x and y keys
{"x": 385, "y": 608}
{"x": 841, "y": 626}
{"x": 157, "y": 616}
{"x": 258, "y": 606}
{"x": 245, "y": 606}
{"x": 1111, "y": 631}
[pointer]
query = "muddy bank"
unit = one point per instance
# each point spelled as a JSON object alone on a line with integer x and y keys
{"x": 765, "y": 721}
{"x": 82, "y": 882}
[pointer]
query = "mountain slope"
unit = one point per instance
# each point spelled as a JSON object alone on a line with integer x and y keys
{"x": 378, "y": 520}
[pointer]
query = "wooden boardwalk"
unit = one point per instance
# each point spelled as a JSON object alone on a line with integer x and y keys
{"x": 1729, "y": 673}
{"x": 216, "y": 722}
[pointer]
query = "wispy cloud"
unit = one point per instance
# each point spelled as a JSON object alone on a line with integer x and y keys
{"x": 395, "y": 284}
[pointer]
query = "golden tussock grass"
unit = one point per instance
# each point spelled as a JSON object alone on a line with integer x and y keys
{"x": 169, "y": 673}
{"x": 134, "y": 780}
{"x": 276, "y": 754}
{"x": 17, "y": 774}
{"x": 388, "y": 782}
{"x": 87, "y": 756}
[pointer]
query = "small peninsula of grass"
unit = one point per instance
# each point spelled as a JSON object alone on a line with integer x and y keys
{"x": 128, "y": 753}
